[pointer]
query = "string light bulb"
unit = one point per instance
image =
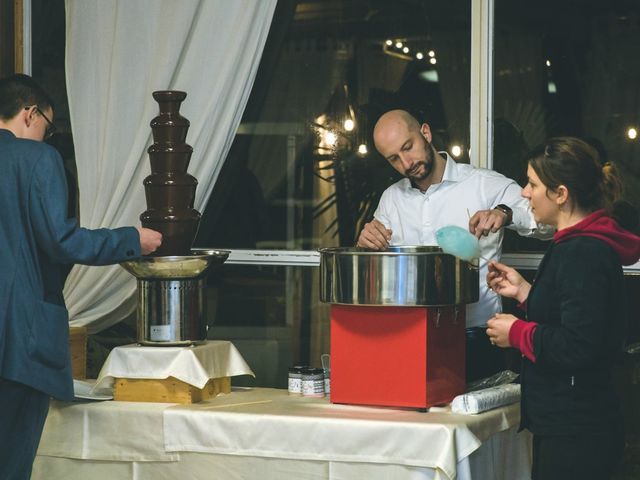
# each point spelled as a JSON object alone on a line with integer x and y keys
{"x": 349, "y": 125}
{"x": 330, "y": 138}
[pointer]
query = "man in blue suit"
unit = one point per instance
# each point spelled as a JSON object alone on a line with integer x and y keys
{"x": 37, "y": 243}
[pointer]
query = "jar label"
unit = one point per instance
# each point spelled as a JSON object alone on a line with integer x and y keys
{"x": 160, "y": 333}
{"x": 295, "y": 385}
{"x": 313, "y": 388}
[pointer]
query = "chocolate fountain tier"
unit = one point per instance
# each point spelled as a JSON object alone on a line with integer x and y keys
{"x": 169, "y": 100}
{"x": 178, "y": 228}
{"x": 169, "y": 126}
{"x": 169, "y": 129}
{"x": 169, "y": 157}
{"x": 168, "y": 190}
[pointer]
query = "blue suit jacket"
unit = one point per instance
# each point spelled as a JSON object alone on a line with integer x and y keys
{"x": 37, "y": 243}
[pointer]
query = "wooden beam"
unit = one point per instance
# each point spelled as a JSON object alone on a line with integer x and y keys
{"x": 18, "y": 29}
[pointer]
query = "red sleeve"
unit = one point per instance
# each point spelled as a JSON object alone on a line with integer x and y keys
{"x": 521, "y": 337}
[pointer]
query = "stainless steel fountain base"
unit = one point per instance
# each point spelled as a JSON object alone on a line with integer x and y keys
{"x": 171, "y": 300}
{"x": 171, "y": 312}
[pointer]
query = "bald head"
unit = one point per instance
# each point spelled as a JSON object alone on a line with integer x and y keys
{"x": 406, "y": 145}
{"x": 394, "y": 125}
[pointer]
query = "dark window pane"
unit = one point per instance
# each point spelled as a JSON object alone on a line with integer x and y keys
{"x": 566, "y": 68}
{"x": 303, "y": 172}
{"x": 48, "y": 69}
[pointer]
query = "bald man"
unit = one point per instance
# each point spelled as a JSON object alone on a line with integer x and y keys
{"x": 437, "y": 192}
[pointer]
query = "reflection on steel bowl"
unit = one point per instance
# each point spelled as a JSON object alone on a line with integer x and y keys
{"x": 176, "y": 267}
{"x": 398, "y": 276}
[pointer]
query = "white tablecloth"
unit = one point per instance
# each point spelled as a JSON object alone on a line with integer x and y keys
{"x": 194, "y": 365}
{"x": 264, "y": 433}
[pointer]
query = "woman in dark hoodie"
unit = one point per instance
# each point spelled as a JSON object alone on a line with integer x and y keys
{"x": 575, "y": 321}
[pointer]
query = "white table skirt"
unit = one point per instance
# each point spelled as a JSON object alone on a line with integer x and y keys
{"x": 264, "y": 433}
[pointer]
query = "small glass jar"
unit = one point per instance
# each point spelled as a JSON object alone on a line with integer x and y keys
{"x": 327, "y": 381}
{"x": 313, "y": 382}
{"x": 295, "y": 379}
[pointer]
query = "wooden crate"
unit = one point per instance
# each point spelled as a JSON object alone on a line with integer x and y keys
{"x": 169, "y": 390}
{"x": 78, "y": 349}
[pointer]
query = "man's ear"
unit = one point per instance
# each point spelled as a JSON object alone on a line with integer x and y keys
{"x": 26, "y": 116}
{"x": 425, "y": 130}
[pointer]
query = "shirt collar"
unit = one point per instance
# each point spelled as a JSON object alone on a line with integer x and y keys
{"x": 450, "y": 173}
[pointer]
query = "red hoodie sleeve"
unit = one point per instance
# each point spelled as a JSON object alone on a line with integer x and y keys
{"x": 521, "y": 337}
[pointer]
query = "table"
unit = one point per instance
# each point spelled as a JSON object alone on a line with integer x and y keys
{"x": 266, "y": 434}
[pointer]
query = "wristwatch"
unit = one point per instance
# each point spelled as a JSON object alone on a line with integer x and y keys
{"x": 507, "y": 211}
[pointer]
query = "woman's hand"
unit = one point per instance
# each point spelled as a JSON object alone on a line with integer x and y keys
{"x": 507, "y": 282}
{"x": 498, "y": 329}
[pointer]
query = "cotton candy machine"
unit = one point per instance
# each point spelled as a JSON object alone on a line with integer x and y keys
{"x": 397, "y": 324}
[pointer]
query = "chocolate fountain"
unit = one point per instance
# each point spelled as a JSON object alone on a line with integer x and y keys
{"x": 171, "y": 309}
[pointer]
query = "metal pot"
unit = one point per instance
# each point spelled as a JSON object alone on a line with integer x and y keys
{"x": 171, "y": 300}
{"x": 398, "y": 276}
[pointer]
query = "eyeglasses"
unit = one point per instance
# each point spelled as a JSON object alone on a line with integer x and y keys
{"x": 51, "y": 128}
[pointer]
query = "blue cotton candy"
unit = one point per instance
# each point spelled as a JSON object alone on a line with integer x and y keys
{"x": 458, "y": 242}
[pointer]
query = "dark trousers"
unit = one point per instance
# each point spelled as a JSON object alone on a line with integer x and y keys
{"x": 584, "y": 457}
{"x": 23, "y": 411}
{"x": 482, "y": 358}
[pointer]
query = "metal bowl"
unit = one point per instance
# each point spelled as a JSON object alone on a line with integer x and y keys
{"x": 398, "y": 276}
{"x": 175, "y": 267}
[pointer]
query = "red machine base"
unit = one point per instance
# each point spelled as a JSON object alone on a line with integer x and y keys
{"x": 397, "y": 356}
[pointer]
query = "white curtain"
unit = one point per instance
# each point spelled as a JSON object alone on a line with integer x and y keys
{"x": 118, "y": 53}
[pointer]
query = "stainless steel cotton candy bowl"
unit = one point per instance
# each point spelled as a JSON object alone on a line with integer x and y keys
{"x": 398, "y": 276}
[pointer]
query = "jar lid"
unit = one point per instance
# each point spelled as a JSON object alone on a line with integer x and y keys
{"x": 298, "y": 368}
{"x": 313, "y": 371}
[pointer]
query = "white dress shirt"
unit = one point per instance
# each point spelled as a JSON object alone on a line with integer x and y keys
{"x": 414, "y": 217}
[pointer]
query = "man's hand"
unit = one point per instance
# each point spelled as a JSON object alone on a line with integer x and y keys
{"x": 487, "y": 221}
{"x": 375, "y": 236}
{"x": 150, "y": 240}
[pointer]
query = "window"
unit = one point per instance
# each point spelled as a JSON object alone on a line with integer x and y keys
{"x": 566, "y": 68}
{"x": 303, "y": 172}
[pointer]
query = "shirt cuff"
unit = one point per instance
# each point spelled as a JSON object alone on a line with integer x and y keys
{"x": 522, "y": 221}
{"x": 521, "y": 337}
